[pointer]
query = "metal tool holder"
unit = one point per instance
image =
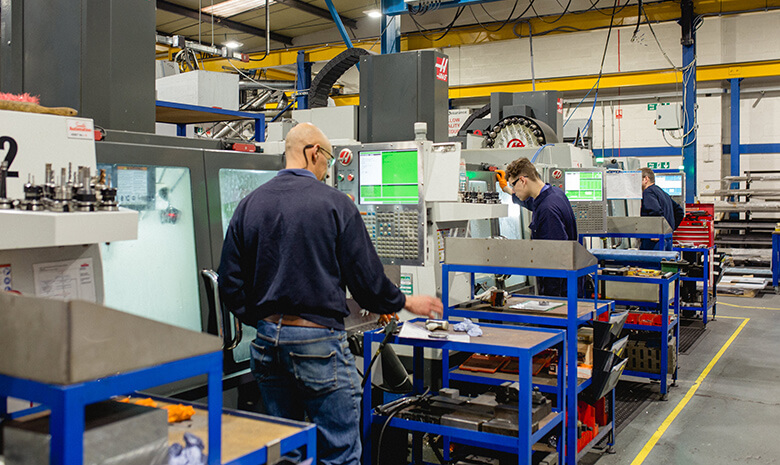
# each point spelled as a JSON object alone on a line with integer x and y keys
{"x": 67, "y": 402}
{"x": 555, "y": 259}
{"x": 522, "y": 343}
{"x": 636, "y": 227}
{"x": 708, "y": 304}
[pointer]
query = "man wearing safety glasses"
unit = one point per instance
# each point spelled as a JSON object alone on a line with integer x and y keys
{"x": 552, "y": 217}
{"x": 291, "y": 248}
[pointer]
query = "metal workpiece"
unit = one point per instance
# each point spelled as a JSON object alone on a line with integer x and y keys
{"x": 86, "y": 341}
{"x": 638, "y": 225}
{"x": 550, "y": 255}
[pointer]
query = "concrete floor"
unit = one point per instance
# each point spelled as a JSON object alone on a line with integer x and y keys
{"x": 734, "y": 416}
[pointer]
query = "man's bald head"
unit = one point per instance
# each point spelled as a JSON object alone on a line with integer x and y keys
{"x": 299, "y": 137}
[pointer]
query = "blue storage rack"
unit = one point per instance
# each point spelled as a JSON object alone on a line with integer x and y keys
{"x": 67, "y": 402}
{"x": 665, "y": 328}
{"x": 521, "y": 444}
{"x": 707, "y": 302}
{"x": 182, "y": 114}
{"x": 571, "y": 323}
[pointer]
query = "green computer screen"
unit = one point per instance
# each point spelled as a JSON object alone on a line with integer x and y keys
{"x": 584, "y": 186}
{"x": 389, "y": 177}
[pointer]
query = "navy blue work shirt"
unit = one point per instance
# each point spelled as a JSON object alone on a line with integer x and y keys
{"x": 552, "y": 219}
{"x": 292, "y": 247}
{"x": 656, "y": 202}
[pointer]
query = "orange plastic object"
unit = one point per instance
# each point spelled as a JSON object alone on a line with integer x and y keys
{"x": 179, "y": 412}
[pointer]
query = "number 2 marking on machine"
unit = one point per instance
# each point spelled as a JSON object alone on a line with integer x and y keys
{"x": 11, "y": 155}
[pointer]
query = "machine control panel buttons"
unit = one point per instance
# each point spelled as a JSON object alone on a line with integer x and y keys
{"x": 350, "y": 177}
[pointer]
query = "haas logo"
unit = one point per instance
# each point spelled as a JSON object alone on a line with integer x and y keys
{"x": 345, "y": 157}
{"x": 557, "y": 174}
{"x": 441, "y": 68}
{"x": 515, "y": 143}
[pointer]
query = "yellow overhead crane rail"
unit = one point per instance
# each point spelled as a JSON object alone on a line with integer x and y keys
{"x": 572, "y": 22}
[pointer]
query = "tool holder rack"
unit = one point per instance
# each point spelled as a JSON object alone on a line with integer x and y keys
{"x": 519, "y": 342}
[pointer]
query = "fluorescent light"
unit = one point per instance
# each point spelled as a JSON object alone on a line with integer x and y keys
{"x": 234, "y": 7}
{"x": 373, "y": 13}
{"x": 233, "y": 44}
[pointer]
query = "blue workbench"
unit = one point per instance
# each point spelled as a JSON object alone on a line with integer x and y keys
{"x": 522, "y": 343}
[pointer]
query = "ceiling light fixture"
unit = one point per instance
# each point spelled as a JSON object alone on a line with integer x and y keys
{"x": 234, "y": 7}
{"x": 373, "y": 13}
{"x": 232, "y": 44}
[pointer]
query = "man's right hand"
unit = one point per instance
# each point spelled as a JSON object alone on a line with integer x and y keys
{"x": 424, "y": 305}
{"x": 501, "y": 178}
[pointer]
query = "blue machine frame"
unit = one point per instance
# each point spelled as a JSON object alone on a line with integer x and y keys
{"x": 775, "y": 259}
{"x": 667, "y": 238}
{"x": 707, "y": 303}
{"x": 521, "y": 444}
{"x": 570, "y": 324}
{"x": 67, "y": 402}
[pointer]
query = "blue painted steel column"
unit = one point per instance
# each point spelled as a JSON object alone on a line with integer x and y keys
{"x": 390, "y": 29}
{"x": 735, "y": 135}
{"x": 689, "y": 100}
{"x": 339, "y": 24}
{"x": 303, "y": 81}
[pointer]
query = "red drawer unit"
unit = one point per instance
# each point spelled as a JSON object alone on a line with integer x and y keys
{"x": 697, "y": 228}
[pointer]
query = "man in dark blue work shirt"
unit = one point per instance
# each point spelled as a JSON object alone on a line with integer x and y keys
{"x": 291, "y": 248}
{"x": 656, "y": 202}
{"x": 552, "y": 217}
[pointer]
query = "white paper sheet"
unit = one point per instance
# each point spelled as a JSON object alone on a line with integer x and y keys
{"x": 624, "y": 185}
{"x": 410, "y": 331}
{"x": 65, "y": 280}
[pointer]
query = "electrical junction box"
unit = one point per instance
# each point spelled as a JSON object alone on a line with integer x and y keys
{"x": 668, "y": 116}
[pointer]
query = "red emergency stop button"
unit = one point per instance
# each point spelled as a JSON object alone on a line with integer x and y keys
{"x": 350, "y": 177}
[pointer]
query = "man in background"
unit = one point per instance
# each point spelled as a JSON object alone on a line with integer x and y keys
{"x": 552, "y": 217}
{"x": 656, "y": 202}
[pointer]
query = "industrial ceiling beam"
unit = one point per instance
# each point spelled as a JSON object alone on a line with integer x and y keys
{"x": 236, "y": 26}
{"x": 316, "y": 11}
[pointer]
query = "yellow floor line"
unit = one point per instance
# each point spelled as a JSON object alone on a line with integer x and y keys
{"x": 747, "y": 306}
{"x": 668, "y": 421}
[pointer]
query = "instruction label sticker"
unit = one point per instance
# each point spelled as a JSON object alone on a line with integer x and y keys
{"x": 80, "y": 129}
{"x": 407, "y": 284}
{"x": 6, "y": 281}
{"x": 65, "y": 280}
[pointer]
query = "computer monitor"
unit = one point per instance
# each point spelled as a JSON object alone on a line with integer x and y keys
{"x": 389, "y": 177}
{"x": 671, "y": 183}
{"x": 584, "y": 186}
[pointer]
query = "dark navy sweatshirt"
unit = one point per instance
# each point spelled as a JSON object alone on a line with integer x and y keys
{"x": 656, "y": 202}
{"x": 552, "y": 219}
{"x": 292, "y": 247}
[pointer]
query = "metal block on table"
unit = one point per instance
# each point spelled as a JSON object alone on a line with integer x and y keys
{"x": 638, "y": 225}
{"x": 115, "y": 433}
{"x": 637, "y": 292}
{"x": 67, "y": 342}
{"x": 550, "y": 255}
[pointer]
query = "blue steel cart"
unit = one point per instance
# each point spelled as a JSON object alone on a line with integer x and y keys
{"x": 667, "y": 328}
{"x": 67, "y": 402}
{"x": 556, "y": 259}
{"x": 707, "y": 303}
{"x": 522, "y": 343}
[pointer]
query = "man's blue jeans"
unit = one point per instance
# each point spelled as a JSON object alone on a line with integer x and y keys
{"x": 311, "y": 372}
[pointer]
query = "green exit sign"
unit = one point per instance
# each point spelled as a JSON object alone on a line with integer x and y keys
{"x": 659, "y": 165}
{"x": 652, "y": 106}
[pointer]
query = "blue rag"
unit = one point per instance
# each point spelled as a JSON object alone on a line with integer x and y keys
{"x": 469, "y": 327}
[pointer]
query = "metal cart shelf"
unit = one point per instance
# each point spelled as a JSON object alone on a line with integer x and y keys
{"x": 522, "y": 343}
{"x": 555, "y": 259}
{"x": 67, "y": 402}
{"x": 666, "y": 326}
{"x": 708, "y": 303}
